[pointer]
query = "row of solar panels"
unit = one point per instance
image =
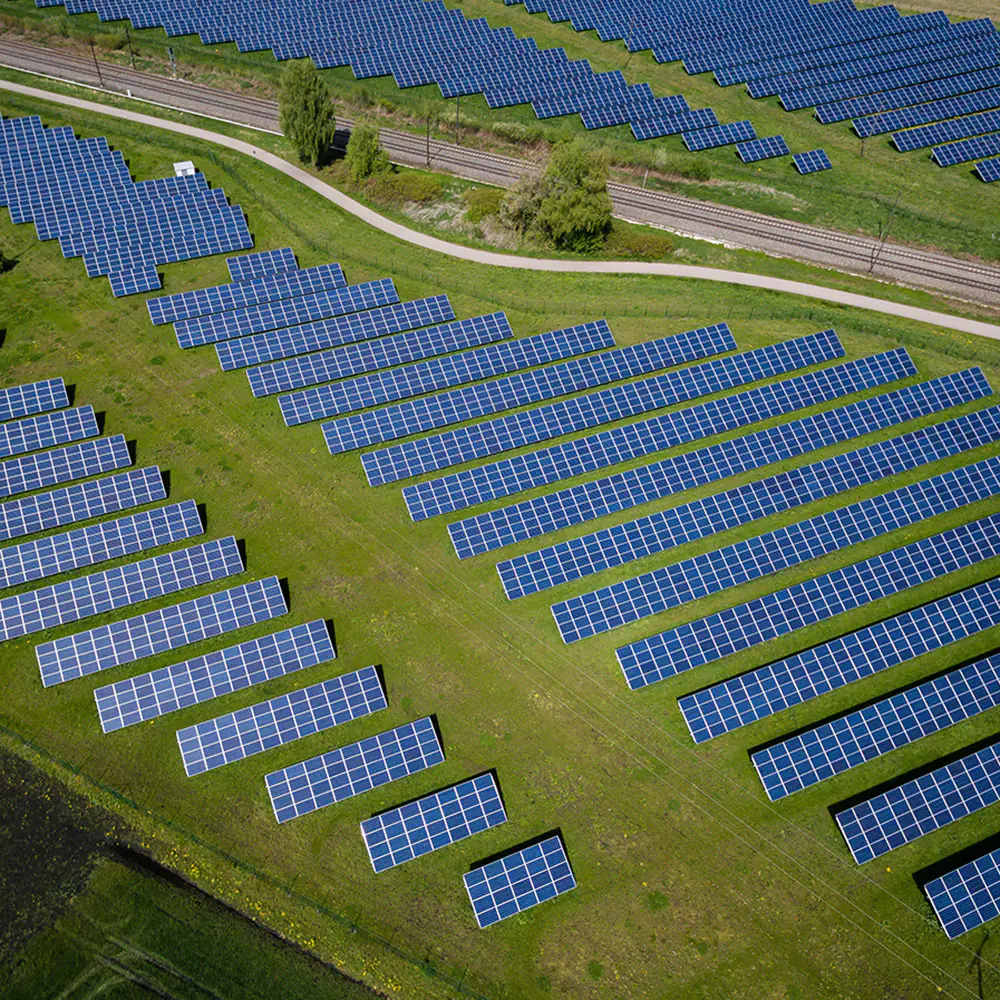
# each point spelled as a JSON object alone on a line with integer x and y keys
{"x": 81, "y": 193}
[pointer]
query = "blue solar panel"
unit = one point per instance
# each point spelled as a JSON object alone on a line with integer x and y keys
{"x": 623, "y": 543}
{"x": 966, "y": 150}
{"x": 624, "y": 490}
{"x": 777, "y": 686}
{"x": 433, "y": 822}
{"x": 312, "y": 369}
{"x": 924, "y": 114}
{"x": 241, "y": 352}
{"x": 340, "y": 774}
{"x": 691, "y": 122}
{"x": 256, "y": 265}
{"x": 620, "y": 444}
{"x": 98, "y": 543}
{"x": 719, "y": 135}
{"x": 62, "y": 603}
{"x": 35, "y": 397}
{"x": 988, "y": 171}
{"x": 159, "y": 631}
{"x": 287, "y": 312}
{"x": 968, "y": 896}
{"x": 886, "y": 725}
{"x": 49, "y": 468}
{"x": 135, "y": 280}
{"x": 519, "y": 881}
{"x": 223, "y": 671}
{"x": 47, "y": 430}
{"x": 762, "y": 149}
{"x": 449, "y": 448}
{"x": 243, "y": 294}
{"x": 80, "y": 502}
{"x": 442, "y": 373}
{"x": 755, "y": 622}
{"x": 281, "y": 720}
{"x": 671, "y": 586}
{"x": 812, "y": 162}
{"x": 946, "y": 131}
{"x": 921, "y": 806}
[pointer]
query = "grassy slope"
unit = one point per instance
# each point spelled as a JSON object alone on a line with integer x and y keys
{"x": 683, "y": 869}
{"x": 856, "y": 196}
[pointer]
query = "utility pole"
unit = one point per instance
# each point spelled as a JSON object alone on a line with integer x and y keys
{"x": 97, "y": 65}
{"x": 458, "y": 108}
{"x": 173, "y": 61}
{"x": 128, "y": 38}
{"x": 884, "y": 229}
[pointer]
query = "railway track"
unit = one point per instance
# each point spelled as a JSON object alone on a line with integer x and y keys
{"x": 970, "y": 280}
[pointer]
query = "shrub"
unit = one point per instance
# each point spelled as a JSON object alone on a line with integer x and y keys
{"x": 511, "y": 131}
{"x": 307, "y": 117}
{"x": 481, "y": 203}
{"x": 365, "y": 157}
{"x": 407, "y": 186}
{"x": 638, "y": 244}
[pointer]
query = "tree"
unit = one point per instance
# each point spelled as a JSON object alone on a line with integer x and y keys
{"x": 365, "y": 157}
{"x": 307, "y": 117}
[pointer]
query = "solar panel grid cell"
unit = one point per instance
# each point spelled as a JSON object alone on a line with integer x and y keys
{"x": 256, "y": 265}
{"x": 812, "y": 162}
{"x": 762, "y": 149}
{"x": 49, "y": 468}
{"x": 47, "y": 430}
{"x": 968, "y": 896}
{"x": 35, "y": 397}
{"x": 988, "y": 171}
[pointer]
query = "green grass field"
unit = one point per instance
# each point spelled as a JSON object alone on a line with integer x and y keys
{"x": 858, "y": 195}
{"x": 691, "y": 885}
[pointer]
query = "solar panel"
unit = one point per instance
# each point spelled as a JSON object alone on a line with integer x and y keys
{"x": 98, "y": 543}
{"x": 76, "y": 461}
{"x": 812, "y": 162}
{"x": 770, "y": 689}
{"x": 966, "y": 150}
{"x": 923, "y": 114}
{"x": 241, "y": 352}
{"x": 159, "y": 631}
{"x": 312, "y": 369}
{"x": 624, "y": 490}
{"x": 518, "y": 881}
{"x": 620, "y": 444}
{"x": 879, "y": 728}
{"x": 340, "y": 774}
{"x": 762, "y": 149}
{"x": 62, "y": 603}
{"x": 433, "y": 822}
{"x": 517, "y": 390}
{"x": 921, "y": 806}
{"x": 946, "y": 131}
{"x": 645, "y": 536}
{"x": 256, "y": 265}
{"x": 743, "y": 627}
{"x": 281, "y": 720}
{"x": 968, "y": 896}
{"x": 135, "y": 280}
{"x": 149, "y": 696}
{"x": 243, "y": 294}
{"x": 47, "y": 430}
{"x": 442, "y": 373}
{"x": 719, "y": 135}
{"x": 80, "y": 502}
{"x": 988, "y": 171}
{"x": 671, "y": 586}
{"x": 286, "y": 312}
{"x": 35, "y": 397}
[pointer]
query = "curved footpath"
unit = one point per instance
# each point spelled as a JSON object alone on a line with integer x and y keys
{"x": 491, "y": 259}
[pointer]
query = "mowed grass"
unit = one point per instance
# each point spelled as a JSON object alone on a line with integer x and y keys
{"x": 872, "y": 188}
{"x": 690, "y": 884}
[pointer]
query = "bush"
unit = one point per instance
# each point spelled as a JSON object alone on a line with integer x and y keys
{"x": 692, "y": 169}
{"x": 638, "y": 244}
{"x": 365, "y": 157}
{"x": 408, "y": 186}
{"x": 511, "y": 131}
{"x": 481, "y": 203}
{"x": 307, "y": 118}
{"x": 519, "y": 206}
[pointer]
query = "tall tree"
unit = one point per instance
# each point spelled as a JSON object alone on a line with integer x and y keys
{"x": 575, "y": 213}
{"x": 307, "y": 117}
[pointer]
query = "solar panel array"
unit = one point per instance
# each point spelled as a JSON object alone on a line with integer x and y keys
{"x": 81, "y": 193}
{"x": 62, "y": 603}
{"x": 354, "y": 359}
{"x": 49, "y": 468}
{"x": 762, "y": 149}
{"x": 540, "y": 384}
{"x": 645, "y": 536}
{"x": 587, "y": 501}
{"x": 812, "y": 162}
{"x": 755, "y": 622}
{"x": 877, "y": 729}
{"x": 340, "y": 774}
{"x": 442, "y": 373}
{"x": 112, "y": 645}
{"x": 47, "y": 430}
{"x": 242, "y": 294}
{"x": 518, "y": 881}
{"x": 770, "y": 689}
{"x": 80, "y": 502}
{"x": 968, "y": 896}
{"x": 966, "y": 150}
{"x": 433, "y": 822}
{"x": 256, "y": 265}
{"x": 149, "y": 696}
{"x": 242, "y": 352}
{"x": 988, "y": 171}
{"x": 620, "y": 444}
{"x": 98, "y": 543}
{"x": 281, "y": 720}
{"x": 921, "y": 806}
{"x": 34, "y": 397}
{"x": 719, "y": 135}
{"x": 946, "y": 131}
{"x": 749, "y": 559}
{"x": 924, "y": 114}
